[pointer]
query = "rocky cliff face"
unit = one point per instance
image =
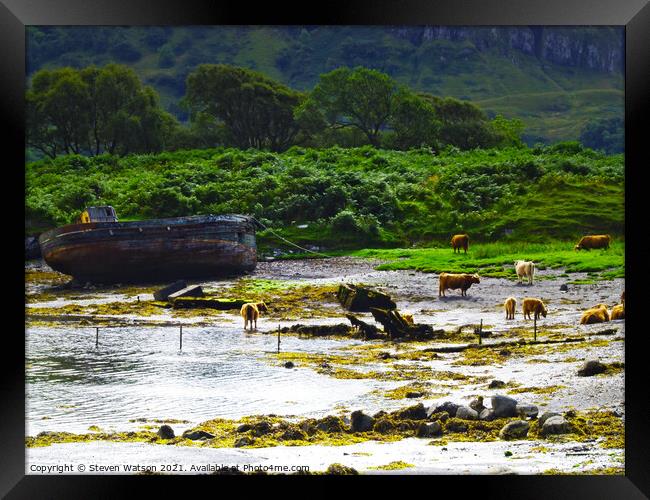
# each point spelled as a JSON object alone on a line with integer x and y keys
{"x": 597, "y": 48}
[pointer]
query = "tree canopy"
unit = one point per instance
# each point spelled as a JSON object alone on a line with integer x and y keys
{"x": 257, "y": 112}
{"x": 94, "y": 111}
{"x": 360, "y": 97}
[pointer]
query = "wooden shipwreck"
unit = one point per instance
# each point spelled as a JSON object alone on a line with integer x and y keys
{"x": 108, "y": 251}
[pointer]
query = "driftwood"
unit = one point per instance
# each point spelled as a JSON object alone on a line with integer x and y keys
{"x": 208, "y": 303}
{"x": 516, "y": 343}
{"x": 368, "y": 331}
{"x": 164, "y": 293}
{"x": 190, "y": 291}
{"x": 317, "y": 330}
{"x": 360, "y": 299}
{"x": 397, "y": 327}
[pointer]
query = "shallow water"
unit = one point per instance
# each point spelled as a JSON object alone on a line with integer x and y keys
{"x": 139, "y": 372}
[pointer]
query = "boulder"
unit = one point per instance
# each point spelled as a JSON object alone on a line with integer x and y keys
{"x": 546, "y": 415}
{"x": 527, "y": 410}
{"x": 360, "y": 422}
{"x": 414, "y": 394}
{"x": 455, "y": 425}
{"x": 428, "y": 429}
{"x": 416, "y": 412}
{"x": 487, "y": 415}
{"x": 330, "y": 424}
{"x": 555, "y": 425}
{"x": 262, "y": 428}
{"x": 591, "y": 368}
{"x": 289, "y": 364}
{"x": 504, "y": 406}
{"x": 447, "y": 406}
{"x": 443, "y": 416}
{"x": 564, "y": 287}
{"x": 197, "y": 435}
{"x": 243, "y": 441}
{"x": 517, "y": 429}
{"x": 477, "y": 405}
{"x": 164, "y": 293}
{"x": 384, "y": 426}
{"x": 166, "y": 432}
{"x": 466, "y": 413}
{"x": 407, "y": 425}
{"x": 341, "y": 470}
{"x": 497, "y": 384}
{"x": 244, "y": 428}
{"x": 293, "y": 434}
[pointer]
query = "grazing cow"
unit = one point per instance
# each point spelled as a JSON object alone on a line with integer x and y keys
{"x": 534, "y": 306}
{"x": 597, "y": 314}
{"x": 618, "y": 312}
{"x": 409, "y": 319}
{"x": 509, "y": 306}
{"x": 594, "y": 241}
{"x": 251, "y": 311}
{"x": 525, "y": 268}
{"x": 452, "y": 281}
{"x": 459, "y": 241}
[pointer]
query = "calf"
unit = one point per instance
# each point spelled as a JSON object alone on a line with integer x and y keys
{"x": 534, "y": 306}
{"x": 618, "y": 312}
{"x": 251, "y": 311}
{"x": 509, "y": 306}
{"x": 597, "y": 314}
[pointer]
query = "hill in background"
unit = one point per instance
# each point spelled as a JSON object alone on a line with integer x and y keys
{"x": 554, "y": 79}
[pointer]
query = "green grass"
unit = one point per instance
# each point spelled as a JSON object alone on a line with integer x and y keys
{"x": 488, "y": 259}
{"x": 557, "y": 115}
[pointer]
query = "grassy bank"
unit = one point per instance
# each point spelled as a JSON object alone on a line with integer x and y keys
{"x": 488, "y": 259}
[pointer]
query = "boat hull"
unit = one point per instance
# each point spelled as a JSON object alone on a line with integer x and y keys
{"x": 154, "y": 250}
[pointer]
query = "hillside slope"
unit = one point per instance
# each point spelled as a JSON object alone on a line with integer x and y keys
{"x": 555, "y": 79}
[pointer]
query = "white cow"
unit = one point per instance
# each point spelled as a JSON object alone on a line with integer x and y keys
{"x": 525, "y": 268}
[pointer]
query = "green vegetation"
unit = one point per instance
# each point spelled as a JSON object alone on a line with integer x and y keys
{"x": 555, "y": 101}
{"x": 92, "y": 111}
{"x": 353, "y": 198}
{"x": 489, "y": 259}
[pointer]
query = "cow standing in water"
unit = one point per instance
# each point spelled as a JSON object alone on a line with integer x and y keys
{"x": 534, "y": 306}
{"x": 510, "y": 305}
{"x": 460, "y": 241}
{"x": 251, "y": 311}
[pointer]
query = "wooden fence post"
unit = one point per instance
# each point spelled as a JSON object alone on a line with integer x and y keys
{"x": 96, "y": 336}
{"x": 535, "y": 328}
{"x": 278, "y": 339}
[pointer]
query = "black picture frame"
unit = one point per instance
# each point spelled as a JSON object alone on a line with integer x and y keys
{"x": 633, "y": 14}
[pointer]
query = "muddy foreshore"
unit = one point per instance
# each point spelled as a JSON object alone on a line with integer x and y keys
{"x": 372, "y": 376}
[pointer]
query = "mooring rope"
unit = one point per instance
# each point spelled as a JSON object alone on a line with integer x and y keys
{"x": 287, "y": 241}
